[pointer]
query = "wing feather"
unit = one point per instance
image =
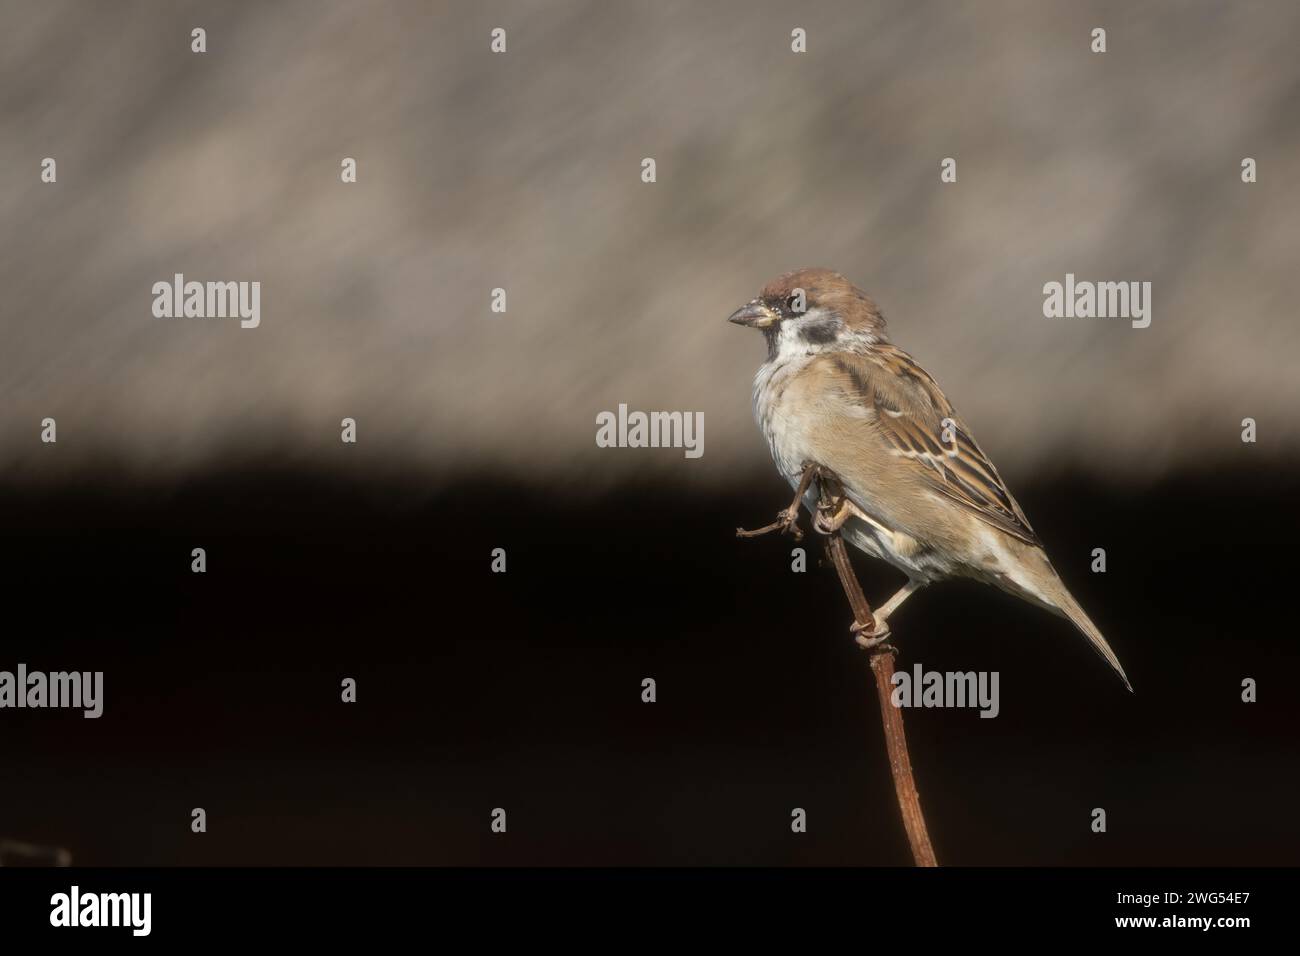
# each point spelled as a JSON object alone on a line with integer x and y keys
{"x": 920, "y": 427}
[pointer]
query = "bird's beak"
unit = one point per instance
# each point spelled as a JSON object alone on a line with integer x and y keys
{"x": 755, "y": 315}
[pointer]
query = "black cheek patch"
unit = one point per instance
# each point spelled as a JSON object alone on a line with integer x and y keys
{"x": 820, "y": 333}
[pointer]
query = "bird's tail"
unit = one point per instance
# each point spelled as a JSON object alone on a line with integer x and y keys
{"x": 1033, "y": 578}
{"x": 1069, "y": 608}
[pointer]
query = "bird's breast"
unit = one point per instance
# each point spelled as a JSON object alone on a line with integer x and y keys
{"x": 782, "y": 419}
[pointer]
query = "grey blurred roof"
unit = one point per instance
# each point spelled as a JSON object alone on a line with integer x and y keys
{"x": 522, "y": 171}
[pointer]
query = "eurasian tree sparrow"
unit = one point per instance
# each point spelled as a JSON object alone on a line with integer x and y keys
{"x": 918, "y": 491}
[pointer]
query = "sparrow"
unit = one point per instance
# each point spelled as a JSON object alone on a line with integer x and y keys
{"x": 916, "y": 489}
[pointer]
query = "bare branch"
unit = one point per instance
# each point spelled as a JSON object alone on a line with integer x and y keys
{"x": 882, "y": 667}
{"x": 881, "y": 655}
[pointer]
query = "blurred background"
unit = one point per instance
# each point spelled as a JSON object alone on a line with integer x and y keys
{"x": 476, "y": 430}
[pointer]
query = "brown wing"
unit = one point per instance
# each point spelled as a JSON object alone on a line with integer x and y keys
{"x": 921, "y": 428}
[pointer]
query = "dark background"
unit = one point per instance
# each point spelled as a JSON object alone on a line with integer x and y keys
{"x": 522, "y": 690}
{"x": 521, "y": 171}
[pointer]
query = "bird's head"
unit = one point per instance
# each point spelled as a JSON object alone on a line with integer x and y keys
{"x": 810, "y": 310}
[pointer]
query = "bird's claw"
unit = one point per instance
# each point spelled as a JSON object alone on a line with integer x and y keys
{"x": 829, "y": 517}
{"x": 877, "y": 645}
{"x": 787, "y": 522}
{"x": 871, "y": 637}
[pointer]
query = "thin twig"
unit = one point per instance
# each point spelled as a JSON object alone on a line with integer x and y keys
{"x": 881, "y": 659}
{"x": 882, "y": 666}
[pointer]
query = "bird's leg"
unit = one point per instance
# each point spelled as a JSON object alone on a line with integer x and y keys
{"x": 877, "y": 635}
{"x": 787, "y": 521}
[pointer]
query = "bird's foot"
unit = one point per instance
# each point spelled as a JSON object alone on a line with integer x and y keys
{"x": 825, "y": 522}
{"x": 787, "y": 522}
{"x": 830, "y": 517}
{"x": 872, "y": 637}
